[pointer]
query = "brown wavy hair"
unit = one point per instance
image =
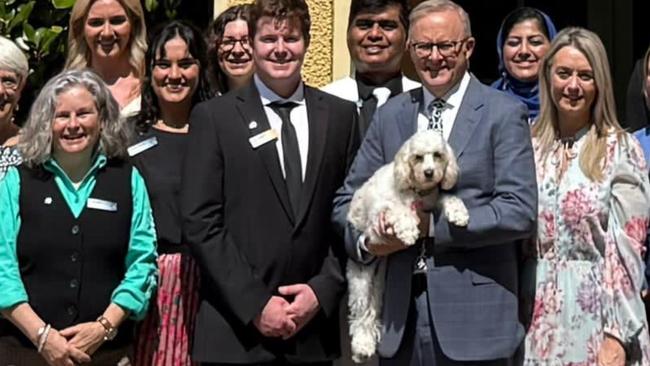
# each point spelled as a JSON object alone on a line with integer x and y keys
{"x": 214, "y": 36}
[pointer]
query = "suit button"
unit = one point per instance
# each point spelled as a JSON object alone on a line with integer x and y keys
{"x": 74, "y": 283}
{"x": 75, "y": 230}
{"x": 74, "y": 257}
{"x": 72, "y": 310}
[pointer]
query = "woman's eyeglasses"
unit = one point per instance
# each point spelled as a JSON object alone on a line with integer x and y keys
{"x": 228, "y": 44}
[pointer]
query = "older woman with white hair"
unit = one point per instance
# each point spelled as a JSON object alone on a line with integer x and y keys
{"x": 13, "y": 74}
{"x": 77, "y": 241}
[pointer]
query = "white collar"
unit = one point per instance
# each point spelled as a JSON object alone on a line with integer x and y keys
{"x": 453, "y": 97}
{"x": 268, "y": 96}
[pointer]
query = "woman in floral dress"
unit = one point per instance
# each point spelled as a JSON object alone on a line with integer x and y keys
{"x": 584, "y": 272}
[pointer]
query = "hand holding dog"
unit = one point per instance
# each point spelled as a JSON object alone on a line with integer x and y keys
{"x": 304, "y": 306}
{"x": 390, "y": 243}
{"x": 274, "y": 321}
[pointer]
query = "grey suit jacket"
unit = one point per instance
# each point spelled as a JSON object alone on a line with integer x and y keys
{"x": 473, "y": 274}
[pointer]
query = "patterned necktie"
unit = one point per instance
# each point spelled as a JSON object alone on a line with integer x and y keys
{"x": 291, "y": 153}
{"x": 435, "y": 114}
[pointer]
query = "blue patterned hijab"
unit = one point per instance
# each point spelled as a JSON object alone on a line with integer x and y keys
{"x": 526, "y": 91}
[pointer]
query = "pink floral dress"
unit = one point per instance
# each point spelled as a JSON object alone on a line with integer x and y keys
{"x": 585, "y": 270}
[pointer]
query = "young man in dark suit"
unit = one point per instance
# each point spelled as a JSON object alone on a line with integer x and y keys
{"x": 262, "y": 169}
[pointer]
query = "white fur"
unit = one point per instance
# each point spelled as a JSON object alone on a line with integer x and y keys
{"x": 424, "y": 163}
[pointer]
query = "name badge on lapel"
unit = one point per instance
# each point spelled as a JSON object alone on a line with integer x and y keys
{"x": 142, "y": 146}
{"x": 262, "y": 138}
{"x": 97, "y": 204}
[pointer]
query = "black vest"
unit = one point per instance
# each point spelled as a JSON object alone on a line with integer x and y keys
{"x": 70, "y": 267}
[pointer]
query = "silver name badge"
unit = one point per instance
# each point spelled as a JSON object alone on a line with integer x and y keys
{"x": 97, "y": 204}
{"x": 262, "y": 138}
{"x": 142, "y": 146}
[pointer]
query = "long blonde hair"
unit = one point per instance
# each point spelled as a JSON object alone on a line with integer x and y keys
{"x": 603, "y": 110}
{"x": 78, "y": 51}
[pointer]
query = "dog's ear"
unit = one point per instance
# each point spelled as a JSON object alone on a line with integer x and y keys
{"x": 451, "y": 171}
{"x": 402, "y": 168}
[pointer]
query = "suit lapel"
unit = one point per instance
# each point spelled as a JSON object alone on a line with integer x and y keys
{"x": 466, "y": 119}
{"x": 318, "y": 119}
{"x": 253, "y": 116}
{"x": 411, "y": 109}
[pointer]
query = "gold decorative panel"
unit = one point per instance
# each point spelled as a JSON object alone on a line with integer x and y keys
{"x": 317, "y": 70}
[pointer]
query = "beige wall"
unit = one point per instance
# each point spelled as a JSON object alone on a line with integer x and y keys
{"x": 327, "y": 58}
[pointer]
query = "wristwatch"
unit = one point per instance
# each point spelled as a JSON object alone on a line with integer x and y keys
{"x": 110, "y": 330}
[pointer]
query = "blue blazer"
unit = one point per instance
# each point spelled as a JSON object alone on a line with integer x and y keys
{"x": 473, "y": 278}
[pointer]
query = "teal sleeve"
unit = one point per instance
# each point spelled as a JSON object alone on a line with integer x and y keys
{"x": 11, "y": 285}
{"x": 140, "y": 280}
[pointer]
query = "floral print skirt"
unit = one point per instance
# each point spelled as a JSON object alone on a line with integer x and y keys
{"x": 569, "y": 311}
{"x": 164, "y": 339}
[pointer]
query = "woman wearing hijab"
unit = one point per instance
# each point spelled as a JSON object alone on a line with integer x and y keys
{"x": 524, "y": 37}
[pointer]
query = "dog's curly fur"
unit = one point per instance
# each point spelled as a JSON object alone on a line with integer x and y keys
{"x": 423, "y": 164}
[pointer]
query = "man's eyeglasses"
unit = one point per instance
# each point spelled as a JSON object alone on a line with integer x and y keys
{"x": 228, "y": 44}
{"x": 445, "y": 48}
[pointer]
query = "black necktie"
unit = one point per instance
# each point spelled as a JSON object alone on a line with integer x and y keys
{"x": 291, "y": 153}
{"x": 368, "y": 107}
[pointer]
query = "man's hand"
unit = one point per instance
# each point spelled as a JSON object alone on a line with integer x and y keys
{"x": 389, "y": 242}
{"x": 611, "y": 352}
{"x": 304, "y": 306}
{"x": 87, "y": 337}
{"x": 274, "y": 320}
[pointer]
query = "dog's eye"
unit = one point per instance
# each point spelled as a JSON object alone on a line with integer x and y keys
{"x": 437, "y": 155}
{"x": 419, "y": 157}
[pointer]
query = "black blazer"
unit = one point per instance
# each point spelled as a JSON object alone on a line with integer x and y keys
{"x": 239, "y": 225}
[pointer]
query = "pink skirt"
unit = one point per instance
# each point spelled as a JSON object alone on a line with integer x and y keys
{"x": 164, "y": 339}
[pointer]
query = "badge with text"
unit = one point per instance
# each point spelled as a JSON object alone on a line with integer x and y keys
{"x": 97, "y": 204}
{"x": 262, "y": 138}
{"x": 142, "y": 146}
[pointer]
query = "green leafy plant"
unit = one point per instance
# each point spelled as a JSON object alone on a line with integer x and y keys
{"x": 40, "y": 29}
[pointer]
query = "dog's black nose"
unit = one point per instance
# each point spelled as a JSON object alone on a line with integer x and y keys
{"x": 428, "y": 173}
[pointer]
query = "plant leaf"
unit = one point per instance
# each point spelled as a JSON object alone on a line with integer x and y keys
{"x": 23, "y": 13}
{"x": 151, "y": 5}
{"x": 63, "y": 4}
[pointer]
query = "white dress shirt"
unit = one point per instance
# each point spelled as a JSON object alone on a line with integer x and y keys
{"x": 453, "y": 98}
{"x": 298, "y": 118}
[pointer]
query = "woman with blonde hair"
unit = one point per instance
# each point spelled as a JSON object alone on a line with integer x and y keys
{"x": 585, "y": 270}
{"x": 109, "y": 37}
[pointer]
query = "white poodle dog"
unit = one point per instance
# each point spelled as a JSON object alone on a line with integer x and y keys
{"x": 423, "y": 164}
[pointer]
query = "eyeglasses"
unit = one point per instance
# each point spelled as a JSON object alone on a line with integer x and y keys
{"x": 445, "y": 48}
{"x": 228, "y": 44}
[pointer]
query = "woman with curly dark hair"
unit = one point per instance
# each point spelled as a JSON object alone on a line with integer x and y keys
{"x": 175, "y": 81}
{"x": 229, "y": 49}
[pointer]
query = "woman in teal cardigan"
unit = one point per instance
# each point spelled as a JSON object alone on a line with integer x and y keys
{"x": 77, "y": 240}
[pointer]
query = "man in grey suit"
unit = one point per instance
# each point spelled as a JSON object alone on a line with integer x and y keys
{"x": 463, "y": 309}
